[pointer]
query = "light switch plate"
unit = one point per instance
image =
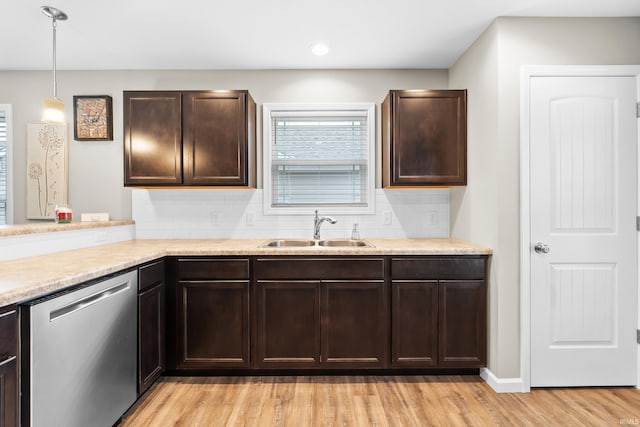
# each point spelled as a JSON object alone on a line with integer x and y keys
{"x": 251, "y": 218}
{"x": 386, "y": 218}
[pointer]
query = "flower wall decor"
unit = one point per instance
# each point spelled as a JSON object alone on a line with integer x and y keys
{"x": 47, "y": 182}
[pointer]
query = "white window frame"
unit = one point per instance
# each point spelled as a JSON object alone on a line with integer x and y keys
{"x": 7, "y": 109}
{"x": 267, "y": 132}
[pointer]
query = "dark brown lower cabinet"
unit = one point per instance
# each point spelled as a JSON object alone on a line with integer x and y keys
{"x": 438, "y": 312}
{"x": 151, "y": 324}
{"x": 214, "y": 324}
{"x": 354, "y": 332}
{"x": 288, "y": 324}
{"x": 212, "y": 306}
{"x": 9, "y": 392}
{"x": 414, "y": 323}
{"x": 327, "y": 312}
{"x": 8, "y": 367}
{"x": 319, "y": 313}
{"x": 463, "y": 318}
{"x": 321, "y": 324}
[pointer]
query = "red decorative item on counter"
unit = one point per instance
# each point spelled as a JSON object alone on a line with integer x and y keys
{"x": 63, "y": 214}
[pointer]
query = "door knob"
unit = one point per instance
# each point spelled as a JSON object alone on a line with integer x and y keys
{"x": 541, "y": 248}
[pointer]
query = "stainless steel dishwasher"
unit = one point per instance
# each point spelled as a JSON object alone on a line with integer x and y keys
{"x": 79, "y": 361}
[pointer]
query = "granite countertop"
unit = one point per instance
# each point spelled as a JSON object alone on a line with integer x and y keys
{"x": 27, "y": 278}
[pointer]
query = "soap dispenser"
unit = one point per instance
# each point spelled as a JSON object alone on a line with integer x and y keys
{"x": 355, "y": 234}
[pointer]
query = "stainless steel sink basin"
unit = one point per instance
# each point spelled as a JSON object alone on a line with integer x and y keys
{"x": 294, "y": 243}
{"x": 289, "y": 243}
{"x": 338, "y": 242}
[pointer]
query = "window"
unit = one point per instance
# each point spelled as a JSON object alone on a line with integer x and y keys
{"x": 5, "y": 121}
{"x": 319, "y": 155}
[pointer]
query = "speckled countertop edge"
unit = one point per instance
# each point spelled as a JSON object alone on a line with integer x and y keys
{"x": 27, "y": 278}
{"x": 53, "y": 227}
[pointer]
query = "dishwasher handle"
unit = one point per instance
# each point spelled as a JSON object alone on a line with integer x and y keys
{"x": 86, "y": 301}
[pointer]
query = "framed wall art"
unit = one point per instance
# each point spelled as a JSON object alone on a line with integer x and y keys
{"x": 92, "y": 118}
{"x": 47, "y": 172}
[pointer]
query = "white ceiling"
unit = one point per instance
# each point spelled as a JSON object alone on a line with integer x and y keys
{"x": 263, "y": 34}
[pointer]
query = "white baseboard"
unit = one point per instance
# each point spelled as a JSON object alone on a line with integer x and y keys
{"x": 502, "y": 385}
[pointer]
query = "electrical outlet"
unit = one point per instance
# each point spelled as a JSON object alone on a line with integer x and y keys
{"x": 432, "y": 217}
{"x": 214, "y": 218}
{"x": 386, "y": 218}
{"x": 251, "y": 218}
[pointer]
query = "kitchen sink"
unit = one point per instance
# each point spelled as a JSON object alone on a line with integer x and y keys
{"x": 289, "y": 243}
{"x": 293, "y": 243}
{"x": 338, "y": 242}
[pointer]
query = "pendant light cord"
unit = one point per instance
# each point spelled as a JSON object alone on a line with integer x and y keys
{"x": 55, "y": 15}
{"x": 55, "y": 81}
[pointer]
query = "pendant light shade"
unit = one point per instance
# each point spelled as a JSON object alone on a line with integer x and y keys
{"x": 53, "y": 111}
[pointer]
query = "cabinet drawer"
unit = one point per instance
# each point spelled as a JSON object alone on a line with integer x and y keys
{"x": 8, "y": 334}
{"x": 320, "y": 268}
{"x": 212, "y": 269}
{"x": 439, "y": 268}
{"x": 151, "y": 275}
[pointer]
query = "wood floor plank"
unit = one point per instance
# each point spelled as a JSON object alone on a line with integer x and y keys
{"x": 327, "y": 401}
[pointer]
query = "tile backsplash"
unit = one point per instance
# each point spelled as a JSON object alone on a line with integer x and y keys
{"x": 225, "y": 213}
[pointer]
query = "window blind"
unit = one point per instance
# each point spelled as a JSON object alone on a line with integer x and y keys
{"x": 3, "y": 168}
{"x": 319, "y": 158}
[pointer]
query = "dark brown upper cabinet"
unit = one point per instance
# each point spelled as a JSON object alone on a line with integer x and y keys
{"x": 190, "y": 138}
{"x": 152, "y": 138}
{"x": 424, "y": 138}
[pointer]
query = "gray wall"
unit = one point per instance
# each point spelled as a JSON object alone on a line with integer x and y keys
{"x": 96, "y": 168}
{"x": 487, "y": 211}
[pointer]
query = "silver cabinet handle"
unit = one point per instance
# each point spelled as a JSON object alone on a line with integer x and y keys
{"x": 8, "y": 360}
{"x": 541, "y": 248}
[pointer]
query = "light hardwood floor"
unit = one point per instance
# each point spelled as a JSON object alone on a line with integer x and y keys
{"x": 374, "y": 401}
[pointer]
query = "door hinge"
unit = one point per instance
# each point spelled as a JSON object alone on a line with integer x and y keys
{"x": 638, "y": 110}
{"x": 638, "y": 335}
{"x": 638, "y": 223}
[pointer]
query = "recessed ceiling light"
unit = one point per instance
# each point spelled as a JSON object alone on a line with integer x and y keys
{"x": 319, "y": 49}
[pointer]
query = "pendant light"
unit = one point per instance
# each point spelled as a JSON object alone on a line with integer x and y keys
{"x": 53, "y": 107}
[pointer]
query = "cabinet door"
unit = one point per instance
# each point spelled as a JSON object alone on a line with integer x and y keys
{"x": 8, "y": 368}
{"x": 424, "y": 138}
{"x": 9, "y": 392}
{"x": 462, "y": 324}
{"x": 151, "y": 336}
{"x": 288, "y": 324}
{"x": 414, "y": 324}
{"x": 152, "y": 138}
{"x": 216, "y": 138}
{"x": 354, "y": 324}
{"x": 213, "y": 324}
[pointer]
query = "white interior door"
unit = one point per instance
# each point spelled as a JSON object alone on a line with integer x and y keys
{"x": 583, "y": 189}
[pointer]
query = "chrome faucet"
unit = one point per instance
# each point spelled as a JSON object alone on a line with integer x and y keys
{"x": 317, "y": 222}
